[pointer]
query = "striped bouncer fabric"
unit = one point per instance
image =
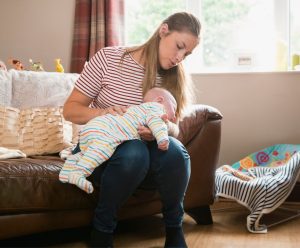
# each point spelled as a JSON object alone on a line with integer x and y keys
{"x": 263, "y": 186}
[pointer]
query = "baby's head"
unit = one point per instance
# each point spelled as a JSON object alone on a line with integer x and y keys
{"x": 165, "y": 98}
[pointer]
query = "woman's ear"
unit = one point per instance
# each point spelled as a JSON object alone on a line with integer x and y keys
{"x": 164, "y": 29}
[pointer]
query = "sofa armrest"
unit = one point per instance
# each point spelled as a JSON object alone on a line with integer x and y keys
{"x": 194, "y": 119}
{"x": 200, "y": 132}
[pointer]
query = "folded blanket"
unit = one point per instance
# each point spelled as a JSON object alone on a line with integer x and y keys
{"x": 260, "y": 188}
{"x": 6, "y": 153}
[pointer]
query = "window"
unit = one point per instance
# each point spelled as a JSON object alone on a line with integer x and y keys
{"x": 237, "y": 35}
{"x": 295, "y": 35}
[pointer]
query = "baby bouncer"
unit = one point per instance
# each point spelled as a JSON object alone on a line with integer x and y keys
{"x": 261, "y": 182}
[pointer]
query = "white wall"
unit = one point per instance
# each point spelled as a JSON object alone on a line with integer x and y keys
{"x": 260, "y": 109}
{"x": 37, "y": 29}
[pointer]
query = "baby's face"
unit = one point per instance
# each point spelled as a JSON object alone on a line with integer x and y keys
{"x": 170, "y": 107}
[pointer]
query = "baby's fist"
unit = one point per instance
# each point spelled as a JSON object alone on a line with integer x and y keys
{"x": 163, "y": 145}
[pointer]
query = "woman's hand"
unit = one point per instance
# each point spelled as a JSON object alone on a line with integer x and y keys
{"x": 116, "y": 110}
{"x": 77, "y": 110}
{"x": 145, "y": 133}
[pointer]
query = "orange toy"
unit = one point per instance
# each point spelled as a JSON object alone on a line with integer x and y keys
{"x": 17, "y": 65}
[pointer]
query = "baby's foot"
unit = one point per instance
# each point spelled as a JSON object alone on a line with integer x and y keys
{"x": 81, "y": 182}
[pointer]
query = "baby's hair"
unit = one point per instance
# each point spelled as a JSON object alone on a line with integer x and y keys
{"x": 160, "y": 91}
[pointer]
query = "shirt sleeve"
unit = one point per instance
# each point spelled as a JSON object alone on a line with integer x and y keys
{"x": 91, "y": 78}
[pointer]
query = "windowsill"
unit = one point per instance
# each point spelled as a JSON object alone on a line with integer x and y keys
{"x": 244, "y": 72}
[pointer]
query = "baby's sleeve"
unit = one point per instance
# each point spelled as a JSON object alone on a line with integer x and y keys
{"x": 158, "y": 127}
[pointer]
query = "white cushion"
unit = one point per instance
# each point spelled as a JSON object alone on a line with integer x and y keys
{"x": 5, "y": 88}
{"x": 41, "y": 89}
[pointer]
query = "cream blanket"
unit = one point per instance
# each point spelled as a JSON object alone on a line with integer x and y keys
{"x": 10, "y": 153}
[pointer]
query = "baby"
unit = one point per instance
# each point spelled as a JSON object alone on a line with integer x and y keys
{"x": 100, "y": 137}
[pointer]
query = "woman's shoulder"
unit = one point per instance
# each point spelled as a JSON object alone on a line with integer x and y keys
{"x": 112, "y": 51}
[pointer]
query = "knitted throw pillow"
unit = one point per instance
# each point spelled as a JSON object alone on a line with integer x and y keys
{"x": 34, "y": 131}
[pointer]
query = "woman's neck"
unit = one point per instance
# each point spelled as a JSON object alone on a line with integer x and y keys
{"x": 138, "y": 56}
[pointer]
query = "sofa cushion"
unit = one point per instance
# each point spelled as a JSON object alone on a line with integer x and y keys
{"x": 34, "y": 131}
{"x": 5, "y": 88}
{"x": 32, "y": 185}
{"x": 40, "y": 89}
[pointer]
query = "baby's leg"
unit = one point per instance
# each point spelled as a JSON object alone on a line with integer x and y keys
{"x": 74, "y": 174}
{"x": 93, "y": 156}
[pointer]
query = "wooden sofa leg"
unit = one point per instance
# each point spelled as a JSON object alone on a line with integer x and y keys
{"x": 202, "y": 215}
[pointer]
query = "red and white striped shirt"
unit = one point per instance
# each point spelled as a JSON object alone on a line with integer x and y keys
{"x": 109, "y": 82}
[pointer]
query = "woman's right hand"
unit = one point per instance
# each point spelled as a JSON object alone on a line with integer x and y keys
{"x": 116, "y": 110}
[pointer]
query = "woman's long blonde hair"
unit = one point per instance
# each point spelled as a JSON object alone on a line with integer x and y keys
{"x": 173, "y": 79}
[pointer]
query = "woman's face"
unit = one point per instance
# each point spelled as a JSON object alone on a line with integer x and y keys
{"x": 174, "y": 47}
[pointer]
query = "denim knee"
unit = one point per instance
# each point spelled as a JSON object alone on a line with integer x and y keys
{"x": 172, "y": 170}
{"x": 176, "y": 159}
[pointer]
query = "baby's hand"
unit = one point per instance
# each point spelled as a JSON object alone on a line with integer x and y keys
{"x": 164, "y": 145}
{"x": 164, "y": 117}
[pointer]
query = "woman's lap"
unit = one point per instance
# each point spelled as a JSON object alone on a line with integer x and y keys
{"x": 138, "y": 164}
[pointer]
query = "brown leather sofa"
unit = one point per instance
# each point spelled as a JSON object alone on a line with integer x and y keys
{"x": 32, "y": 199}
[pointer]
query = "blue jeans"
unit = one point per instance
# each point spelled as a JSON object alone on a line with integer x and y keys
{"x": 139, "y": 164}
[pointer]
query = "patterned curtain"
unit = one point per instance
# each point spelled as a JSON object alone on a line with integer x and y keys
{"x": 98, "y": 23}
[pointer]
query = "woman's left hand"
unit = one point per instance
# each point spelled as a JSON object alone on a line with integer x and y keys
{"x": 145, "y": 133}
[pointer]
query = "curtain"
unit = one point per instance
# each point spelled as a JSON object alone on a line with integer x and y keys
{"x": 98, "y": 23}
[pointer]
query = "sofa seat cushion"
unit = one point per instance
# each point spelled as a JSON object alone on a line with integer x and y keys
{"x": 31, "y": 186}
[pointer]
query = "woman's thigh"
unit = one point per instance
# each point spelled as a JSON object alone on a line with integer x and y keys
{"x": 130, "y": 161}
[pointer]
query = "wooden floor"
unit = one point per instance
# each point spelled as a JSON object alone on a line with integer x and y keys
{"x": 228, "y": 231}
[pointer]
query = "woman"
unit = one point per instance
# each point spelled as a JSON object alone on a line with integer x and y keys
{"x": 115, "y": 78}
